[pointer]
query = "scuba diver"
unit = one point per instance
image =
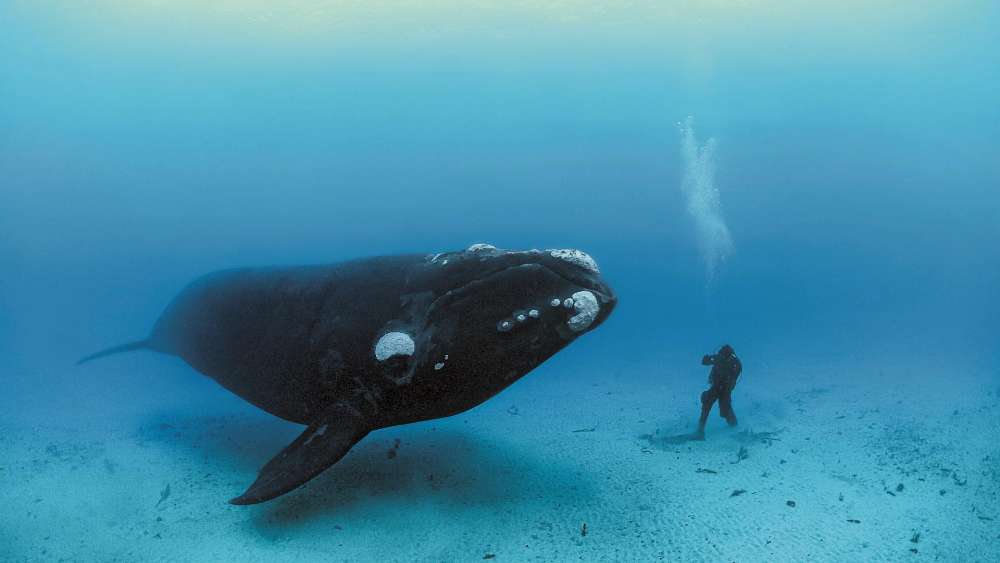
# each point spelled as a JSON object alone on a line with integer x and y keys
{"x": 726, "y": 368}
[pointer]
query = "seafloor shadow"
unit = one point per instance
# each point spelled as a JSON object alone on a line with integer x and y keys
{"x": 437, "y": 462}
{"x": 743, "y": 436}
{"x": 447, "y": 467}
{"x": 674, "y": 439}
{"x": 236, "y": 442}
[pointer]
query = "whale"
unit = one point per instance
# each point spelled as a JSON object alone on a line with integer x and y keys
{"x": 355, "y": 346}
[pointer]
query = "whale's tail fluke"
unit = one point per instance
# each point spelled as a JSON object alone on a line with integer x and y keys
{"x": 128, "y": 347}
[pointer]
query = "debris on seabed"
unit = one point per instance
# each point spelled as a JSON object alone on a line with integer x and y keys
{"x": 164, "y": 495}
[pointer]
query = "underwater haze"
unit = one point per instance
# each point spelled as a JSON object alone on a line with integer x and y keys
{"x": 816, "y": 184}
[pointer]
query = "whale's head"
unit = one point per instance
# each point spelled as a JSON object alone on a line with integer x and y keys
{"x": 495, "y": 316}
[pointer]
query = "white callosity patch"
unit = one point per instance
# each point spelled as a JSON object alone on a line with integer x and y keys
{"x": 577, "y": 257}
{"x": 555, "y": 302}
{"x": 522, "y": 317}
{"x": 438, "y": 366}
{"x": 394, "y": 344}
{"x": 481, "y": 247}
{"x": 586, "y": 307}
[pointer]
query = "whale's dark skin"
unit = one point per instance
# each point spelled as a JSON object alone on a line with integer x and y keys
{"x": 303, "y": 343}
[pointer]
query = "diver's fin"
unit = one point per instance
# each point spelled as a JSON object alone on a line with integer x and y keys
{"x": 137, "y": 345}
{"x": 326, "y": 440}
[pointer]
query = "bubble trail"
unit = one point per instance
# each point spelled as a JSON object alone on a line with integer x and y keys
{"x": 703, "y": 202}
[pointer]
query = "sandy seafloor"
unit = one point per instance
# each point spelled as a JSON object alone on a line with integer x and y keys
{"x": 876, "y": 472}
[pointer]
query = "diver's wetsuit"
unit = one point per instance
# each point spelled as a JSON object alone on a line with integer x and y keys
{"x": 725, "y": 371}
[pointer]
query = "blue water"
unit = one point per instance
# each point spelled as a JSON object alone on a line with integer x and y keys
{"x": 820, "y": 183}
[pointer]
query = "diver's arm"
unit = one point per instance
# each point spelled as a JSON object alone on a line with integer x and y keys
{"x": 708, "y": 360}
{"x": 737, "y": 370}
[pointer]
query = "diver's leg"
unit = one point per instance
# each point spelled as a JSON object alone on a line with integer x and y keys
{"x": 726, "y": 406}
{"x": 707, "y": 400}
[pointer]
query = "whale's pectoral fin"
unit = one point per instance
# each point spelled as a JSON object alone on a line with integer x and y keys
{"x": 326, "y": 440}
